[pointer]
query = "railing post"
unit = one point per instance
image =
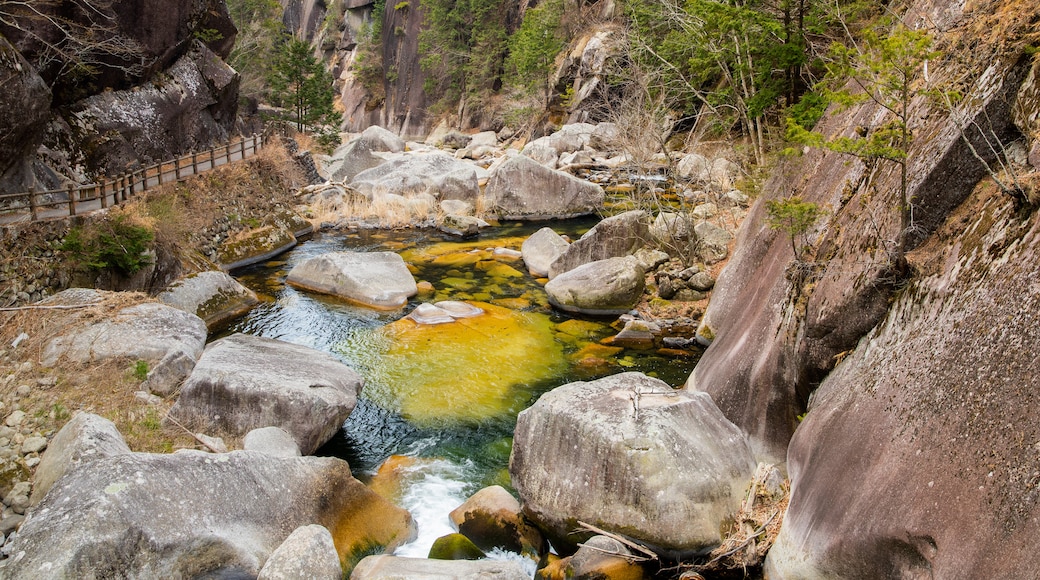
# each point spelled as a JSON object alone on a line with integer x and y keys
{"x": 32, "y": 203}
{"x": 72, "y": 200}
{"x": 101, "y": 191}
{"x": 212, "y": 151}
{"x": 177, "y": 168}
{"x": 194, "y": 163}
{"x": 159, "y": 165}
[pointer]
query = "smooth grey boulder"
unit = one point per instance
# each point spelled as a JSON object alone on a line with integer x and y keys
{"x": 398, "y": 568}
{"x": 631, "y": 455}
{"x": 86, "y": 437}
{"x": 605, "y": 137}
{"x": 272, "y": 441}
{"x": 433, "y": 172}
{"x": 572, "y": 137}
{"x": 213, "y": 296}
{"x": 244, "y": 382}
{"x": 542, "y": 153}
{"x": 672, "y": 230}
{"x": 541, "y": 249}
{"x": 523, "y": 189}
{"x": 603, "y": 288}
{"x": 359, "y": 154}
{"x": 694, "y": 167}
{"x": 147, "y": 331}
{"x": 308, "y": 552}
{"x": 192, "y": 514}
{"x": 375, "y": 279}
{"x": 712, "y": 242}
{"x": 615, "y": 236}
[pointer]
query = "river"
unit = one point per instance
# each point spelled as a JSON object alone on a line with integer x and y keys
{"x": 441, "y": 404}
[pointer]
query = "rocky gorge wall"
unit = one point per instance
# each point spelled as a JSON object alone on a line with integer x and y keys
{"x": 916, "y": 457}
{"x": 126, "y": 84}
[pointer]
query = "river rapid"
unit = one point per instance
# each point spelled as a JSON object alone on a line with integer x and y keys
{"x": 435, "y": 420}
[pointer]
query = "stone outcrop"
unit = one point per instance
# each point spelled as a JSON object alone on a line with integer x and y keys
{"x": 213, "y": 296}
{"x": 628, "y": 442}
{"x": 193, "y": 514}
{"x": 918, "y": 455}
{"x": 359, "y": 154}
{"x": 190, "y": 109}
{"x": 602, "y": 288}
{"x": 774, "y": 339}
{"x": 616, "y": 236}
{"x": 395, "y": 568}
{"x": 244, "y": 382}
{"x": 24, "y": 91}
{"x": 522, "y": 188}
{"x": 435, "y": 173}
{"x": 375, "y": 279}
{"x": 254, "y": 246}
{"x": 271, "y": 440}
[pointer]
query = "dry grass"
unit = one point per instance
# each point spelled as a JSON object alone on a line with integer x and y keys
{"x": 105, "y": 388}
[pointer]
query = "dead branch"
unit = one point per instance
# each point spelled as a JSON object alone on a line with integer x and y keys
{"x": 635, "y": 546}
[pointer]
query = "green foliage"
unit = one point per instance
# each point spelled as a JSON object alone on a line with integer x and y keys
{"x": 793, "y": 216}
{"x": 300, "y": 83}
{"x": 140, "y": 370}
{"x": 259, "y": 27}
{"x": 114, "y": 243}
{"x": 464, "y": 44}
{"x": 207, "y": 35}
{"x": 534, "y": 47}
{"x": 883, "y": 70}
{"x": 807, "y": 111}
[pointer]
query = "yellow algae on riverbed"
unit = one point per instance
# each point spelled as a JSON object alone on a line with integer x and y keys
{"x": 464, "y": 371}
{"x": 431, "y": 252}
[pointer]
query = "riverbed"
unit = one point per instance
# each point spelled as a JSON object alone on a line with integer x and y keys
{"x": 440, "y": 403}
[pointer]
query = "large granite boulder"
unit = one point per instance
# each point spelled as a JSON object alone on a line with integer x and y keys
{"x": 86, "y": 437}
{"x": 712, "y": 242}
{"x": 603, "y": 288}
{"x": 435, "y": 173}
{"x": 24, "y": 91}
{"x": 522, "y": 188}
{"x": 572, "y": 137}
{"x": 630, "y": 455}
{"x": 619, "y": 235}
{"x": 254, "y": 246}
{"x": 147, "y": 331}
{"x": 194, "y": 105}
{"x": 244, "y": 382}
{"x": 359, "y": 154}
{"x": 192, "y": 514}
{"x": 541, "y": 249}
{"x": 398, "y": 568}
{"x": 213, "y": 296}
{"x": 308, "y": 552}
{"x": 375, "y": 279}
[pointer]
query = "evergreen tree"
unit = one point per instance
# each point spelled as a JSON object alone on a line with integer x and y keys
{"x": 533, "y": 49}
{"x": 300, "y": 83}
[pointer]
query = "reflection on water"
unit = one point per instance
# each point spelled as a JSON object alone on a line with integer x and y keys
{"x": 447, "y": 393}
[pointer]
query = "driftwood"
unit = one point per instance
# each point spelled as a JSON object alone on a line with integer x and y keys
{"x": 648, "y": 554}
{"x": 194, "y": 436}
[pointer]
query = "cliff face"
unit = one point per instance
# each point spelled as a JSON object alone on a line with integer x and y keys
{"x": 778, "y": 326}
{"x": 82, "y": 58}
{"x": 917, "y": 457}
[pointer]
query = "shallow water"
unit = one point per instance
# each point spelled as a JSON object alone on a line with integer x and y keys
{"x": 446, "y": 395}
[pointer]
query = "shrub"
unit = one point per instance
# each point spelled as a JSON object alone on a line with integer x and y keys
{"x": 114, "y": 243}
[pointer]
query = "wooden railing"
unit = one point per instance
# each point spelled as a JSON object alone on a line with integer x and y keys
{"x": 78, "y": 199}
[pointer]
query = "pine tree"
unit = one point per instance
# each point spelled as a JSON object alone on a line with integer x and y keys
{"x": 300, "y": 83}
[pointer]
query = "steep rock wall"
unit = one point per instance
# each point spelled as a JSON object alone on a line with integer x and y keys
{"x": 21, "y": 90}
{"x": 778, "y": 326}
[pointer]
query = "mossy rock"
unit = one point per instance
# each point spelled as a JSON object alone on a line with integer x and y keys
{"x": 455, "y": 547}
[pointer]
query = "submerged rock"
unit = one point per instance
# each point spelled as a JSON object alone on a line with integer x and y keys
{"x": 606, "y": 287}
{"x": 455, "y": 547}
{"x": 245, "y": 382}
{"x": 213, "y": 296}
{"x": 193, "y": 514}
{"x": 376, "y": 279}
{"x": 629, "y": 442}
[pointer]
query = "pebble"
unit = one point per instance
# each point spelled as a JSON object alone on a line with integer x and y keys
{"x": 23, "y": 390}
{"x": 15, "y": 419}
{"x": 47, "y": 381}
{"x": 32, "y": 462}
{"x": 147, "y": 398}
{"x": 34, "y": 445}
{"x": 9, "y": 524}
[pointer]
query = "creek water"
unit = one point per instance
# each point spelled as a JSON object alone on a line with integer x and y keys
{"x": 440, "y": 402}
